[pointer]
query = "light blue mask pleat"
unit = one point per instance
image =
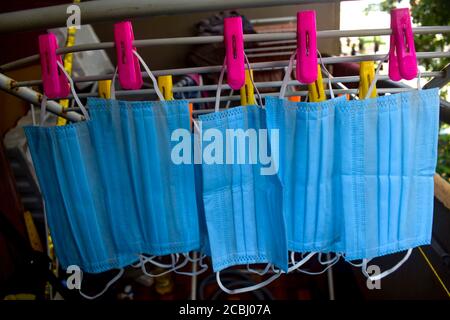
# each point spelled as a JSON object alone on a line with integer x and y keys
{"x": 306, "y": 171}
{"x": 388, "y": 153}
{"x": 110, "y": 187}
{"x": 73, "y": 192}
{"x": 243, "y": 208}
{"x": 162, "y": 193}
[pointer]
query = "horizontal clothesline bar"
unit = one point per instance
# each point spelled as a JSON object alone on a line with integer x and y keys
{"x": 34, "y": 97}
{"x": 218, "y": 39}
{"x": 273, "y": 20}
{"x": 259, "y": 85}
{"x": 269, "y": 54}
{"x": 251, "y": 50}
{"x": 271, "y": 43}
{"x": 114, "y": 10}
{"x": 275, "y": 94}
{"x": 254, "y": 66}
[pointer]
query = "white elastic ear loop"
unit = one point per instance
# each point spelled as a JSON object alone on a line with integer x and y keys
{"x": 287, "y": 76}
{"x": 419, "y": 75}
{"x": 357, "y": 265}
{"x": 330, "y": 87}
{"x": 253, "y": 83}
{"x": 266, "y": 269}
{"x": 203, "y": 266}
{"x": 296, "y": 265}
{"x": 74, "y": 94}
{"x": 246, "y": 289}
{"x": 145, "y": 260}
{"x": 375, "y": 78}
{"x": 150, "y": 74}
{"x": 33, "y": 113}
{"x": 43, "y": 110}
{"x": 113, "y": 87}
{"x": 327, "y": 261}
{"x": 219, "y": 85}
{"x": 336, "y": 259}
{"x": 387, "y": 272}
{"x": 113, "y": 280}
{"x": 196, "y": 126}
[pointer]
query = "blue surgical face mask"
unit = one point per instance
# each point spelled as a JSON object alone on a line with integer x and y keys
{"x": 242, "y": 205}
{"x": 306, "y": 171}
{"x": 385, "y": 162}
{"x": 111, "y": 188}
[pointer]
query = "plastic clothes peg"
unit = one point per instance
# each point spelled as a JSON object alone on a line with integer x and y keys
{"x": 129, "y": 70}
{"x": 165, "y": 85}
{"x": 394, "y": 73}
{"x": 247, "y": 91}
{"x": 366, "y": 75}
{"x": 234, "y": 50}
{"x": 54, "y": 81}
{"x": 316, "y": 91}
{"x": 306, "y": 47}
{"x": 403, "y": 41}
{"x": 104, "y": 89}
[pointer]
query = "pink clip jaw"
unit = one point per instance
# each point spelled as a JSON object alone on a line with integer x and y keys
{"x": 234, "y": 50}
{"x": 129, "y": 70}
{"x": 306, "y": 46}
{"x": 403, "y": 39}
{"x": 54, "y": 81}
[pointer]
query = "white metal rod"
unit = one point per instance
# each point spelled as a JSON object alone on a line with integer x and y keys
{"x": 216, "y": 39}
{"x": 34, "y": 97}
{"x": 273, "y": 20}
{"x": 269, "y": 54}
{"x": 254, "y": 66}
{"x": 259, "y": 85}
{"x": 107, "y": 10}
{"x": 264, "y": 49}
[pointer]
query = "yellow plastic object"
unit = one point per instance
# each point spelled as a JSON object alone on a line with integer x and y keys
{"x": 247, "y": 91}
{"x": 33, "y": 235}
{"x": 366, "y": 75}
{"x": 165, "y": 85}
{"x": 20, "y": 296}
{"x": 68, "y": 59}
{"x": 104, "y": 89}
{"x": 316, "y": 91}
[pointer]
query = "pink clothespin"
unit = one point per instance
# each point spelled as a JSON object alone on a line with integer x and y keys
{"x": 54, "y": 81}
{"x": 234, "y": 50}
{"x": 306, "y": 46}
{"x": 129, "y": 70}
{"x": 402, "y": 49}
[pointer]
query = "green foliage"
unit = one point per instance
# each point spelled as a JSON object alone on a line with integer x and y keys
{"x": 443, "y": 165}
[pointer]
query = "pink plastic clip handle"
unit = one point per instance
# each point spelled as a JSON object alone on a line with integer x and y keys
{"x": 404, "y": 43}
{"x": 129, "y": 70}
{"x": 306, "y": 46}
{"x": 54, "y": 81}
{"x": 234, "y": 50}
{"x": 394, "y": 72}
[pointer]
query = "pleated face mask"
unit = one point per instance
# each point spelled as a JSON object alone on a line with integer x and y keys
{"x": 241, "y": 193}
{"x": 111, "y": 188}
{"x": 306, "y": 171}
{"x": 386, "y": 160}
